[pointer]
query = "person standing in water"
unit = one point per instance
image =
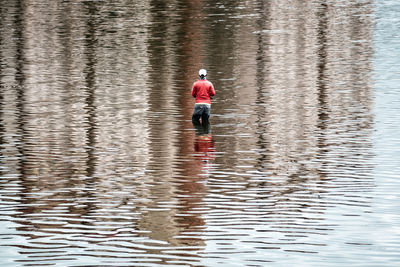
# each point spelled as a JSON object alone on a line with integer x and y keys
{"x": 202, "y": 90}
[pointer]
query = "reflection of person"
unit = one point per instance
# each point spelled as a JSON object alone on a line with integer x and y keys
{"x": 204, "y": 145}
{"x": 202, "y": 90}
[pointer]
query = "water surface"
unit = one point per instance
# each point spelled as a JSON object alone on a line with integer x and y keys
{"x": 101, "y": 164}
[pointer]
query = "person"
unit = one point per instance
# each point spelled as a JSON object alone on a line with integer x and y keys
{"x": 202, "y": 90}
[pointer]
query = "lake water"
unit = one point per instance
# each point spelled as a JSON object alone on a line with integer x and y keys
{"x": 102, "y": 166}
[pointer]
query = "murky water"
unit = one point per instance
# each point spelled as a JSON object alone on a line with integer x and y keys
{"x": 101, "y": 165}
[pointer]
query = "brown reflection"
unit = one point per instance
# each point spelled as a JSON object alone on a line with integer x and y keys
{"x": 20, "y": 82}
{"x": 158, "y": 221}
{"x": 65, "y": 156}
{"x": 35, "y": 84}
{"x": 191, "y": 185}
{"x": 90, "y": 77}
{"x": 174, "y": 45}
{"x": 322, "y": 43}
{"x": 195, "y": 171}
{"x": 295, "y": 66}
{"x": 296, "y": 115}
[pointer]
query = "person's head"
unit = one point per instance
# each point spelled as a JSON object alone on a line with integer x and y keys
{"x": 202, "y": 74}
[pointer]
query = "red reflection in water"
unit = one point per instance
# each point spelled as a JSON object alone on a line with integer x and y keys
{"x": 204, "y": 145}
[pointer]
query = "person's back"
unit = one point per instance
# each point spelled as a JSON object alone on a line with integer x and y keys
{"x": 202, "y": 90}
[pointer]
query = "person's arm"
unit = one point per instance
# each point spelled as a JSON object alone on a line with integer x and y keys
{"x": 211, "y": 91}
{"x": 194, "y": 91}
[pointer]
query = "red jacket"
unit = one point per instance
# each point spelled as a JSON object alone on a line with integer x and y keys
{"x": 202, "y": 90}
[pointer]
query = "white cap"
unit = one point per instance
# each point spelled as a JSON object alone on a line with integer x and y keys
{"x": 202, "y": 72}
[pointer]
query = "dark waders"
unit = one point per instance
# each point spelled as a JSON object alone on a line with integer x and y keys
{"x": 201, "y": 111}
